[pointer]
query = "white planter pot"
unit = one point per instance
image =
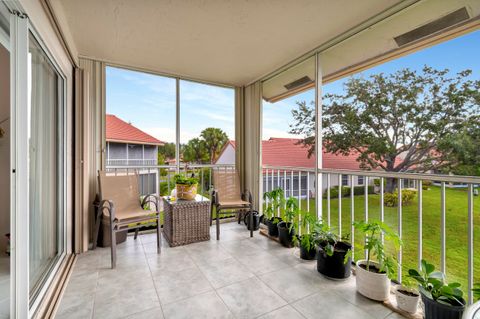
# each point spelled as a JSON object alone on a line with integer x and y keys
{"x": 407, "y": 303}
{"x": 372, "y": 285}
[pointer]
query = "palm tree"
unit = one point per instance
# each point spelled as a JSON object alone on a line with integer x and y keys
{"x": 214, "y": 139}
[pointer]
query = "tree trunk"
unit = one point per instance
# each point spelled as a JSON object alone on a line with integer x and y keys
{"x": 391, "y": 185}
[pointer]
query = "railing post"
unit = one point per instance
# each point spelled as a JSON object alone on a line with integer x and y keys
{"x": 340, "y": 205}
{"x": 352, "y": 213}
{"x": 400, "y": 185}
{"x": 300, "y": 190}
{"x": 308, "y": 192}
{"x": 470, "y": 243}
{"x": 365, "y": 181}
{"x": 328, "y": 199}
{"x": 382, "y": 205}
{"x": 443, "y": 235}
{"x": 420, "y": 222}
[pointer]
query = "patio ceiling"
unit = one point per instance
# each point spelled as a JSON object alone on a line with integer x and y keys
{"x": 230, "y": 42}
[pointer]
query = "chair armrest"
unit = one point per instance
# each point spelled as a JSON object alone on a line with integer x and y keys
{"x": 108, "y": 205}
{"x": 152, "y": 198}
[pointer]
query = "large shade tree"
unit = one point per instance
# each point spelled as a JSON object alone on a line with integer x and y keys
{"x": 214, "y": 139}
{"x": 394, "y": 122}
{"x": 195, "y": 151}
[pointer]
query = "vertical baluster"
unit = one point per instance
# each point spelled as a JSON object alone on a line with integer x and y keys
{"x": 382, "y": 204}
{"x": 443, "y": 267}
{"x": 470, "y": 243}
{"x": 210, "y": 178}
{"x": 285, "y": 187}
{"x": 299, "y": 201}
{"x": 365, "y": 181}
{"x": 308, "y": 192}
{"x": 420, "y": 222}
{"x": 291, "y": 183}
{"x": 278, "y": 186}
{"x": 168, "y": 181}
{"x": 352, "y": 213}
{"x": 328, "y": 199}
{"x": 202, "y": 181}
{"x": 340, "y": 205}
{"x": 272, "y": 174}
{"x": 400, "y": 185}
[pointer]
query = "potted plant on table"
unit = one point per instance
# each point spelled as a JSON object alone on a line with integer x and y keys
{"x": 286, "y": 229}
{"x": 186, "y": 187}
{"x": 306, "y": 242}
{"x": 373, "y": 277}
{"x": 441, "y": 300}
{"x": 407, "y": 298}
{"x": 334, "y": 258}
{"x": 275, "y": 199}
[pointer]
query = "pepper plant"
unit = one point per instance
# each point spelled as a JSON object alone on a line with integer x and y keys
{"x": 275, "y": 200}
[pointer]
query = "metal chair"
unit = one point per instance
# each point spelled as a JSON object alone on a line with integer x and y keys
{"x": 121, "y": 208}
{"x": 227, "y": 195}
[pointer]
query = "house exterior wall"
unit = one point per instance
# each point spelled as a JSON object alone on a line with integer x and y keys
{"x": 137, "y": 154}
{"x": 227, "y": 156}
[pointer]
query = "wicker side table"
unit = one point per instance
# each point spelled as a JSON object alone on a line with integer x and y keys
{"x": 186, "y": 222}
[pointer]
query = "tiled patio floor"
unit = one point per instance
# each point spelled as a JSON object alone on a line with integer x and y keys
{"x": 236, "y": 277}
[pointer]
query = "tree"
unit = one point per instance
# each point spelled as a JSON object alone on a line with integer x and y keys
{"x": 195, "y": 151}
{"x": 167, "y": 150}
{"x": 214, "y": 139}
{"x": 393, "y": 121}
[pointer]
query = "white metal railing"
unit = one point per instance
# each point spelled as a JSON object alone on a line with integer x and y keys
{"x": 276, "y": 176}
{"x": 131, "y": 162}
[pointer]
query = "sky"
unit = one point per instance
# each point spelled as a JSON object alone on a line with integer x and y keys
{"x": 148, "y": 101}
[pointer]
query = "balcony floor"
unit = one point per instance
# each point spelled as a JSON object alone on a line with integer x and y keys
{"x": 236, "y": 277}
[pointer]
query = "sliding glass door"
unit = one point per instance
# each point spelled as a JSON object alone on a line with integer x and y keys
{"x": 46, "y": 165}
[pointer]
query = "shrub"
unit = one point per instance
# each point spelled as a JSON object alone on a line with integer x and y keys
{"x": 359, "y": 190}
{"x": 391, "y": 199}
{"x": 426, "y": 185}
{"x": 164, "y": 189}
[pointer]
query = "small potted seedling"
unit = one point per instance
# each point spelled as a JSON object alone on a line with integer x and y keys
{"x": 407, "y": 298}
{"x": 275, "y": 199}
{"x": 441, "y": 300}
{"x": 306, "y": 241}
{"x": 334, "y": 258}
{"x": 286, "y": 229}
{"x": 373, "y": 277}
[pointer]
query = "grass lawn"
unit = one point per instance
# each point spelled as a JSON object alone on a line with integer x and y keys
{"x": 456, "y": 229}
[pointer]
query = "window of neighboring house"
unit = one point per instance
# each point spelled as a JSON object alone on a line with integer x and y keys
{"x": 361, "y": 180}
{"x": 344, "y": 180}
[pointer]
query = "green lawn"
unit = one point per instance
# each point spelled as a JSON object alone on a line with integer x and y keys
{"x": 456, "y": 229}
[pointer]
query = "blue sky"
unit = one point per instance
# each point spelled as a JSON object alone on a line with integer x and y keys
{"x": 148, "y": 101}
{"x": 456, "y": 55}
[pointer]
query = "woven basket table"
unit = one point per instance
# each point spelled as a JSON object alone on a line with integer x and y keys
{"x": 186, "y": 222}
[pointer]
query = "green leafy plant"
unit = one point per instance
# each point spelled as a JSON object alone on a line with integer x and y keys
{"x": 375, "y": 247}
{"x": 291, "y": 211}
{"x": 327, "y": 238}
{"x": 184, "y": 180}
{"x": 391, "y": 199}
{"x": 275, "y": 200}
{"x": 306, "y": 240}
{"x": 434, "y": 286}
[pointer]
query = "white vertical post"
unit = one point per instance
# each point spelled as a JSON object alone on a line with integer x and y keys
{"x": 352, "y": 213}
{"x": 177, "y": 126}
{"x": 340, "y": 205}
{"x": 365, "y": 181}
{"x": 470, "y": 243}
{"x": 318, "y": 137}
{"x": 420, "y": 222}
{"x": 382, "y": 204}
{"x": 443, "y": 266}
{"x": 328, "y": 199}
{"x": 308, "y": 191}
{"x": 400, "y": 217}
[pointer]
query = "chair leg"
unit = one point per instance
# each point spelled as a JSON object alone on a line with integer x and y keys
{"x": 97, "y": 228}
{"x": 218, "y": 225}
{"x": 113, "y": 245}
{"x": 136, "y": 234}
{"x": 159, "y": 235}
{"x": 239, "y": 216}
{"x": 251, "y": 222}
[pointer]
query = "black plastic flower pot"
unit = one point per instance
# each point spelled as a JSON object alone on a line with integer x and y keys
{"x": 256, "y": 220}
{"x": 334, "y": 266}
{"x": 285, "y": 235}
{"x": 436, "y": 310}
{"x": 308, "y": 254}
{"x": 272, "y": 226}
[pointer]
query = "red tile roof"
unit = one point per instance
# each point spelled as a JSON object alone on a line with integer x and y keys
{"x": 118, "y": 130}
{"x": 288, "y": 152}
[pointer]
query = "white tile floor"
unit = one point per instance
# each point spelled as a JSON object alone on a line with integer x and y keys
{"x": 236, "y": 277}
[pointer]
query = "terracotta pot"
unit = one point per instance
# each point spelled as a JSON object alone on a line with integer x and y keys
{"x": 186, "y": 192}
{"x": 372, "y": 285}
{"x": 406, "y": 302}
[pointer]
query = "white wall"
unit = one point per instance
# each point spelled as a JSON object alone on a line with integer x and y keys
{"x": 4, "y": 147}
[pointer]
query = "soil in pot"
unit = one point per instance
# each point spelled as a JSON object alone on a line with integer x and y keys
{"x": 333, "y": 266}
{"x": 436, "y": 310}
{"x": 256, "y": 220}
{"x": 272, "y": 226}
{"x": 372, "y": 283}
{"x": 285, "y": 235}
